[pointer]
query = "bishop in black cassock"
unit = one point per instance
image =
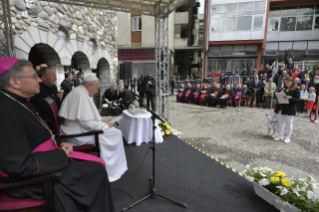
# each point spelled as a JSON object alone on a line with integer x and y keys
{"x": 84, "y": 185}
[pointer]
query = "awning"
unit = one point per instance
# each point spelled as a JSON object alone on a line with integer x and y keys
{"x": 145, "y": 7}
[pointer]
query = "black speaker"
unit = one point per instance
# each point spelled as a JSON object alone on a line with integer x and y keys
{"x": 126, "y": 69}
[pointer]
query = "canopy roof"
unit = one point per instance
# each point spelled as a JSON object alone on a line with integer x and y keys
{"x": 145, "y": 7}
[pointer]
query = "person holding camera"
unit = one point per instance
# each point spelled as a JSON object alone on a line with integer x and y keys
{"x": 150, "y": 91}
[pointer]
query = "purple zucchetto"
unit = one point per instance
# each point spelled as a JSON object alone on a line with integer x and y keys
{"x": 6, "y": 63}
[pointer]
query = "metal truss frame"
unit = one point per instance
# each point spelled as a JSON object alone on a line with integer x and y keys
{"x": 6, "y": 34}
{"x": 162, "y": 54}
{"x": 160, "y": 9}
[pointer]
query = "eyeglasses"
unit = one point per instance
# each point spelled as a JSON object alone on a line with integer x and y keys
{"x": 35, "y": 77}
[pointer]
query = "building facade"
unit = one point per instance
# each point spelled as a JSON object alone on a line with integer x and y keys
{"x": 136, "y": 42}
{"x": 66, "y": 38}
{"x": 250, "y": 33}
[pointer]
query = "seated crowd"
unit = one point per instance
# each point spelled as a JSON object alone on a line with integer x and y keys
{"x": 230, "y": 87}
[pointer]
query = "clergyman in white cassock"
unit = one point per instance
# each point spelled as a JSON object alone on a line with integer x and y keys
{"x": 80, "y": 115}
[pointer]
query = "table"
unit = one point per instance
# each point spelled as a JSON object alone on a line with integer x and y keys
{"x": 138, "y": 128}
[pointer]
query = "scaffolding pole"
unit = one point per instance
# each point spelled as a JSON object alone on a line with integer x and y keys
{"x": 162, "y": 65}
{"x": 6, "y": 34}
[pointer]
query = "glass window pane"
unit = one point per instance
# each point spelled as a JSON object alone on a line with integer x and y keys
{"x": 215, "y": 23}
{"x": 259, "y": 5}
{"x": 304, "y": 23}
{"x": 245, "y": 13}
{"x": 258, "y": 22}
{"x": 317, "y": 8}
{"x": 228, "y": 24}
{"x": 216, "y": 9}
{"x": 245, "y": 6}
{"x": 306, "y": 9}
{"x": 317, "y": 22}
{"x": 140, "y": 23}
{"x": 229, "y": 8}
{"x": 134, "y": 24}
{"x": 217, "y": 16}
{"x": 289, "y": 10}
{"x": 262, "y": 12}
{"x": 288, "y": 24}
{"x": 275, "y": 12}
{"x": 273, "y": 24}
{"x": 244, "y": 23}
{"x": 225, "y": 15}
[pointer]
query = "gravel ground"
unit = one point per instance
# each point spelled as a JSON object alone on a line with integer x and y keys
{"x": 236, "y": 137}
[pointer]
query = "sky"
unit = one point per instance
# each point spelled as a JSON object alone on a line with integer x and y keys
{"x": 202, "y": 7}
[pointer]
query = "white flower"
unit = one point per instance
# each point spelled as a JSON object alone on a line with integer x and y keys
{"x": 296, "y": 189}
{"x": 247, "y": 166}
{"x": 283, "y": 191}
{"x": 280, "y": 187}
{"x": 262, "y": 174}
{"x": 310, "y": 194}
{"x": 162, "y": 133}
{"x": 250, "y": 179}
{"x": 264, "y": 182}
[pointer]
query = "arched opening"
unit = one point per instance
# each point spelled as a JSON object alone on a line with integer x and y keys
{"x": 80, "y": 62}
{"x": 43, "y": 53}
{"x": 103, "y": 73}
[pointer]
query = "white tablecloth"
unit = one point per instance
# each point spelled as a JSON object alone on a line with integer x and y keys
{"x": 138, "y": 128}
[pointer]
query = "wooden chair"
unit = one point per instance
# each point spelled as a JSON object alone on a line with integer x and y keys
{"x": 229, "y": 102}
{"x": 54, "y": 114}
{"x": 29, "y": 205}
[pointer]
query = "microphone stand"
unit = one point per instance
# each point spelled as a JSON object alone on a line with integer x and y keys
{"x": 153, "y": 192}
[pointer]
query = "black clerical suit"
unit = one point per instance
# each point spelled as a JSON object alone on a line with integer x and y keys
{"x": 190, "y": 97}
{"x": 150, "y": 93}
{"x": 141, "y": 88}
{"x": 255, "y": 85}
{"x": 67, "y": 88}
{"x": 125, "y": 99}
{"x": 229, "y": 93}
{"x": 77, "y": 81}
{"x": 208, "y": 99}
{"x": 45, "y": 91}
{"x": 109, "y": 95}
{"x": 84, "y": 185}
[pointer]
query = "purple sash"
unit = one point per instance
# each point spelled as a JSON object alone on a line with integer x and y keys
{"x": 180, "y": 96}
{"x": 186, "y": 95}
{"x": 236, "y": 98}
{"x": 195, "y": 97}
{"x": 50, "y": 145}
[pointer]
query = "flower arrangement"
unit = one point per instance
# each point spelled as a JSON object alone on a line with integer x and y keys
{"x": 302, "y": 193}
{"x": 166, "y": 130}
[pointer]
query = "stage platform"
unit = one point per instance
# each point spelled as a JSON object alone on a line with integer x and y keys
{"x": 188, "y": 176}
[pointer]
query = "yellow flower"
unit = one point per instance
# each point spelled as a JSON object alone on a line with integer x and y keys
{"x": 285, "y": 183}
{"x": 280, "y": 174}
{"x": 168, "y": 127}
{"x": 165, "y": 123}
{"x": 168, "y": 132}
{"x": 274, "y": 180}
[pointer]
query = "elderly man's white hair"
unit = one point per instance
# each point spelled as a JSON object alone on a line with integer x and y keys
{"x": 296, "y": 66}
{"x": 91, "y": 78}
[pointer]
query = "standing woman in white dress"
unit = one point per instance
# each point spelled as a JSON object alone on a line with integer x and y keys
{"x": 286, "y": 112}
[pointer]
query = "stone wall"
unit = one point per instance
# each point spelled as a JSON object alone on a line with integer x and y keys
{"x": 88, "y": 30}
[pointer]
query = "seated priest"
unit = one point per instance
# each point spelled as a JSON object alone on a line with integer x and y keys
{"x": 28, "y": 148}
{"x": 188, "y": 91}
{"x": 208, "y": 98}
{"x": 194, "y": 91}
{"x": 47, "y": 88}
{"x": 110, "y": 96}
{"x": 180, "y": 93}
{"x": 237, "y": 95}
{"x": 80, "y": 115}
{"x": 197, "y": 94}
{"x": 125, "y": 98}
{"x": 226, "y": 96}
{"x": 204, "y": 93}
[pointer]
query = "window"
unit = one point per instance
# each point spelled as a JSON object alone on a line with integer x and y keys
{"x": 304, "y": 23}
{"x": 259, "y": 5}
{"x": 245, "y": 6}
{"x": 317, "y": 23}
{"x": 275, "y": 12}
{"x": 259, "y": 12}
{"x": 288, "y": 24}
{"x": 244, "y": 23}
{"x": 215, "y": 23}
{"x": 229, "y": 24}
{"x": 229, "y": 8}
{"x": 258, "y": 22}
{"x": 289, "y": 11}
{"x": 306, "y": 9}
{"x": 137, "y": 23}
{"x": 216, "y": 9}
{"x": 273, "y": 24}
